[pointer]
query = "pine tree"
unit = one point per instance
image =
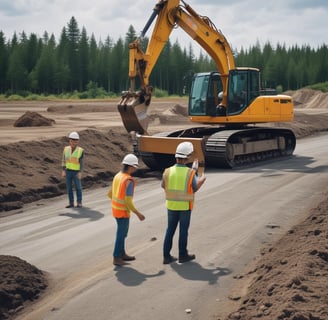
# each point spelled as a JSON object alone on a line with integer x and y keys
{"x": 73, "y": 39}
{"x": 3, "y": 62}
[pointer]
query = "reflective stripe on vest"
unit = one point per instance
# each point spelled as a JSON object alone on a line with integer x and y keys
{"x": 72, "y": 159}
{"x": 119, "y": 207}
{"x": 178, "y": 188}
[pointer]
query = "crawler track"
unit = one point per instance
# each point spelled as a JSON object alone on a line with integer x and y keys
{"x": 237, "y": 148}
{"x": 231, "y": 148}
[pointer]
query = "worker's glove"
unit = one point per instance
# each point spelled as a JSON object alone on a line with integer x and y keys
{"x": 202, "y": 177}
{"x": 195, "y": 165}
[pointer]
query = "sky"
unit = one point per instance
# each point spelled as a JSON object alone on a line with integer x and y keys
{"x": 243, "y": 22}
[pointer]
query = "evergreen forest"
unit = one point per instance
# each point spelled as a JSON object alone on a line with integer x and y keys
{"x": 78, "y": 64}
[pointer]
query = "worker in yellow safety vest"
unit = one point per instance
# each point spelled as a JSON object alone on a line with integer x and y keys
{"x": 180, "y": 183}
{"x": 72, "y": 164}
{"x": 121, "y": 192}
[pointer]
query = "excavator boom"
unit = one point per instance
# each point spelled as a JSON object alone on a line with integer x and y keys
{"x": 169, "y": 13}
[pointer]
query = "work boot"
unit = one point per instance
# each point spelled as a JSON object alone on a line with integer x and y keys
{"x": 169, "y": 259}
{"x": 71, "y": 205}
{"x": 126, "y": 257}
{"x": 187, "y": 258}
{"x": 79, "y": 205}
{"x": 118, "y": 261}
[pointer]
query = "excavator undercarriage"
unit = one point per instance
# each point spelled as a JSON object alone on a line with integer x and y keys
{"x": 217, "y": 146}
{"x": 222, "y": 147}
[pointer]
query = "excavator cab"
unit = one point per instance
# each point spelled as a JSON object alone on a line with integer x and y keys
{"x": 204, "y": 94}
{"x": 207, "y": 95}
{"x": 243, "y": 88}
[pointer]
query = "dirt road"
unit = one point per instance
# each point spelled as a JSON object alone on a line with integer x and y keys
{"x": 236, "y": 213}
{"x": 30, "y": 171}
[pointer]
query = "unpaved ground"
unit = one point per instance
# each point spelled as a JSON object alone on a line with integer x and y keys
{"x": 288, "y": 282}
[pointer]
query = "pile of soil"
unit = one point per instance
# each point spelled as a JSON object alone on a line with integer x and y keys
{"x": 33, "y": 119}
{"x": 31, "y": 171}
{"x": 289, "y": 281}
{"x": 20, "y": 282}
{"x": 179, "y": 110}
{"x": 310, "y": 99}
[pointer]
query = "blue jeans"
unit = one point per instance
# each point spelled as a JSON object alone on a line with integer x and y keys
{"x": 173, "y": 219}
{"x": 71, "y": 176}
{"x": 121, "y": 234}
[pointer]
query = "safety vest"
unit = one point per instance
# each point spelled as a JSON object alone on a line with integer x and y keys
{"x": 178, "y": 187}
{"x": 119, "y": 207}
{"x": 72, "y": 159}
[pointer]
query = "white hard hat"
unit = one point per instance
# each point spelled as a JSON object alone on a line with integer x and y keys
{"x": 131, "y": 160}
{"x": 184, "y": 150}
{"x": 74, "y": 135}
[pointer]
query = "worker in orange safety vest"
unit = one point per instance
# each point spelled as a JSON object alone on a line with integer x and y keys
{"x": 121, "y": 193}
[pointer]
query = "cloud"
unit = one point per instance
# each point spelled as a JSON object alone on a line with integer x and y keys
{"x": 22, "y": 7}
{"x": 242, "y": 22}
{"x": 289, "y": 21}
{"x": 9, "y": 8}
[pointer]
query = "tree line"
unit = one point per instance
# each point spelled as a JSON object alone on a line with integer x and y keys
{"x": 78, "y": 63}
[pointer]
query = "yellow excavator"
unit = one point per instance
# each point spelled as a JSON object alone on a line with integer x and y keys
{"x": 228, "y": 103}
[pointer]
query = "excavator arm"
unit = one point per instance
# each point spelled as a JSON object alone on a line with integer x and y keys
{"x": 142, "y": 63}
{"x": 134, "y": 104}
{"x": 169, "y": 14}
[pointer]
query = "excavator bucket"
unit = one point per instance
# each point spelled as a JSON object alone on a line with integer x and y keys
{"x": 168, "y": 145}
{"x": 133, "y": 110}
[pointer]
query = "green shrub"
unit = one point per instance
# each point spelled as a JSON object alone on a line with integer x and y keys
{"x": 93, "y": 91}
{"x": 279, "y": 89}
{"x": 159, "y": 93}
{"x": 33, "y": 97}
{"x": 83, "y": 95}
{"x": 322, "y": 86}
{"x": 15, "y": 97}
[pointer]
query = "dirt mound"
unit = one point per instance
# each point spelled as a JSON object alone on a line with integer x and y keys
{"x": 31, "y": 170}
{"x": 308, "y": 98}
{"x": 20, "y": 282}
{"x": 33, "y": 119}
{"x": 175, "y": 114}
{"x": 289, "y": 280}
{"x": 307, "y": 124}
{"x": 180, "y": 110}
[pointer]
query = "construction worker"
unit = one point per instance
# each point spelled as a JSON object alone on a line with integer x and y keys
{"x": 180, "y": 183}
{"x": 121, "y": 192}
{"x": 72, "y": 163}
